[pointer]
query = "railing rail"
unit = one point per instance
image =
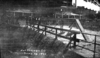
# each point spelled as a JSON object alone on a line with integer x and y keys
{"x": 69, "y": 38}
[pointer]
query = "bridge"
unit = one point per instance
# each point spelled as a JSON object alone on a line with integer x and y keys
{"x": 44, "y": 26}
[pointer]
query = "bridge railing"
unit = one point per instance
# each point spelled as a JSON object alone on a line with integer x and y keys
{"x": 45, "y": 28}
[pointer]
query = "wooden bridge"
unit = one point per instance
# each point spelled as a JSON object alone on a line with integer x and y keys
{"x": 38, "y": 25}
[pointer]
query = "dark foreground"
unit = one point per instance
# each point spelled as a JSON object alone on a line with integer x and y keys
{"x": 17, "y": 42}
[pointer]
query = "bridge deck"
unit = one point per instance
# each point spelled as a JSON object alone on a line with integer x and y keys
{"x": 80, "y": 51}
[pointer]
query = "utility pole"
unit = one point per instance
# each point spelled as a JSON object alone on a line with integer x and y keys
{"x": 76, "y": 3}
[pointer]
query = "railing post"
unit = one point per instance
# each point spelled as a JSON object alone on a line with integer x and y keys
{"x": 94, "y": 47}
{"x": 38, "y": 27}
{"x": 55, "y": 38}
{"x": 68, "y": 16}
{"x": 56, "y": 35}
{"x": 74, "y": 38}
{"x": 14, "y": 14}
{"x": 68, "y": 46}
{"x": 45, "y": 30}
{"x": 55, "y": 15}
